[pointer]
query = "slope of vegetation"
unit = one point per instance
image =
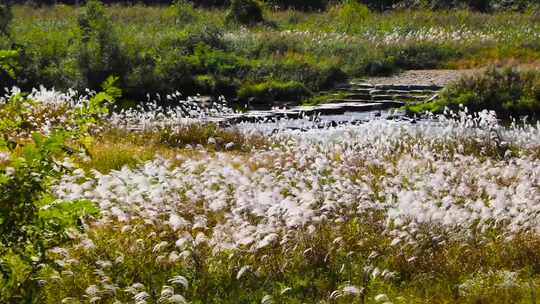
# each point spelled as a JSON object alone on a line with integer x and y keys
{"x": 161, "y": 49}
{"x": 309, "y": 5}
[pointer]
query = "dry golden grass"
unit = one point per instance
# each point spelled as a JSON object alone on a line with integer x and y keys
{"x": 115, "y": 148}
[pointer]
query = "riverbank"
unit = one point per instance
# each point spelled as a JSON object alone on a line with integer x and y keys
{"x": 160, "y": 49}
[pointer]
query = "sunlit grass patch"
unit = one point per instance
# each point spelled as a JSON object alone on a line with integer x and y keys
{"x": 116, "y": 148}
{"x": 505, "y": 55}
{"x": 108, "y": 154}
{"x": 212, "y": 137}
{"x": 333, "y": 263}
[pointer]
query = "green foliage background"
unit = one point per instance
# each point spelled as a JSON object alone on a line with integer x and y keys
{"x": 186, "y": 48}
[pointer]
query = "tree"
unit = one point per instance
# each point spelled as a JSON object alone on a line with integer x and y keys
{"x": 480, "y": 5}
{"x": 5, "y": 18}
{"x": 99, "y": 54}
{"x": 246, "y": 12}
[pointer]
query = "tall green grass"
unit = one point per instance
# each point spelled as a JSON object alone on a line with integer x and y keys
{"x": 509, "y": 92}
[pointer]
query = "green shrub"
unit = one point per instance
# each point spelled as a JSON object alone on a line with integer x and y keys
{"x": 23, "y": 181}
{"x": 9, "y": 67}
{"x": 215, "y": 85}
{"x": 98, "y": 54}
{"x": 384, "y": 66}
{"x": 27, "y": 229}
{"x": 270, "y": 91}
{"x": 176, "y": 71}
{"x": 141, "y": 77}
{"x": 245, "y": 12}
{"x": 171, "y": 65}
{"x": 509, "y": 92}
{"x": 206, "y": 71}
{"x": 218, "y": 62}
{"x": 21, "y": 185}
{"x": 206, "y": 83}
{"x": 313, "y": 76}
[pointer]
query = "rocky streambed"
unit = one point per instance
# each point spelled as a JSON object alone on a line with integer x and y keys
{"x": 353, "y": 97}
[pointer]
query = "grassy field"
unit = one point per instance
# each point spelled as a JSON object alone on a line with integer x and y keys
{"x": 99, "y": 207}
{"x": 161, "y": 49}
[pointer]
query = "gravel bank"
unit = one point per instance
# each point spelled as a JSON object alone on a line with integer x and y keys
{"x": 421, "y": 77}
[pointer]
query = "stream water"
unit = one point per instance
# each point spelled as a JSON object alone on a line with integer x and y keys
{"x": 322, "y": 121}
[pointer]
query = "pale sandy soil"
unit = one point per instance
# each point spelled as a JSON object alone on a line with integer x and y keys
{"x": 421, "y": 77}
{"x": 433, "y": 77}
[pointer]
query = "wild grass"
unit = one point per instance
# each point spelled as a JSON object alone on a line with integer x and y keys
{"x": 352, "y": 253}
{"x": 115, "y": 148}
{"x": 385, "y": 211}
{"x": 324, "y": 98}
{"x": 350, "y": 249}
